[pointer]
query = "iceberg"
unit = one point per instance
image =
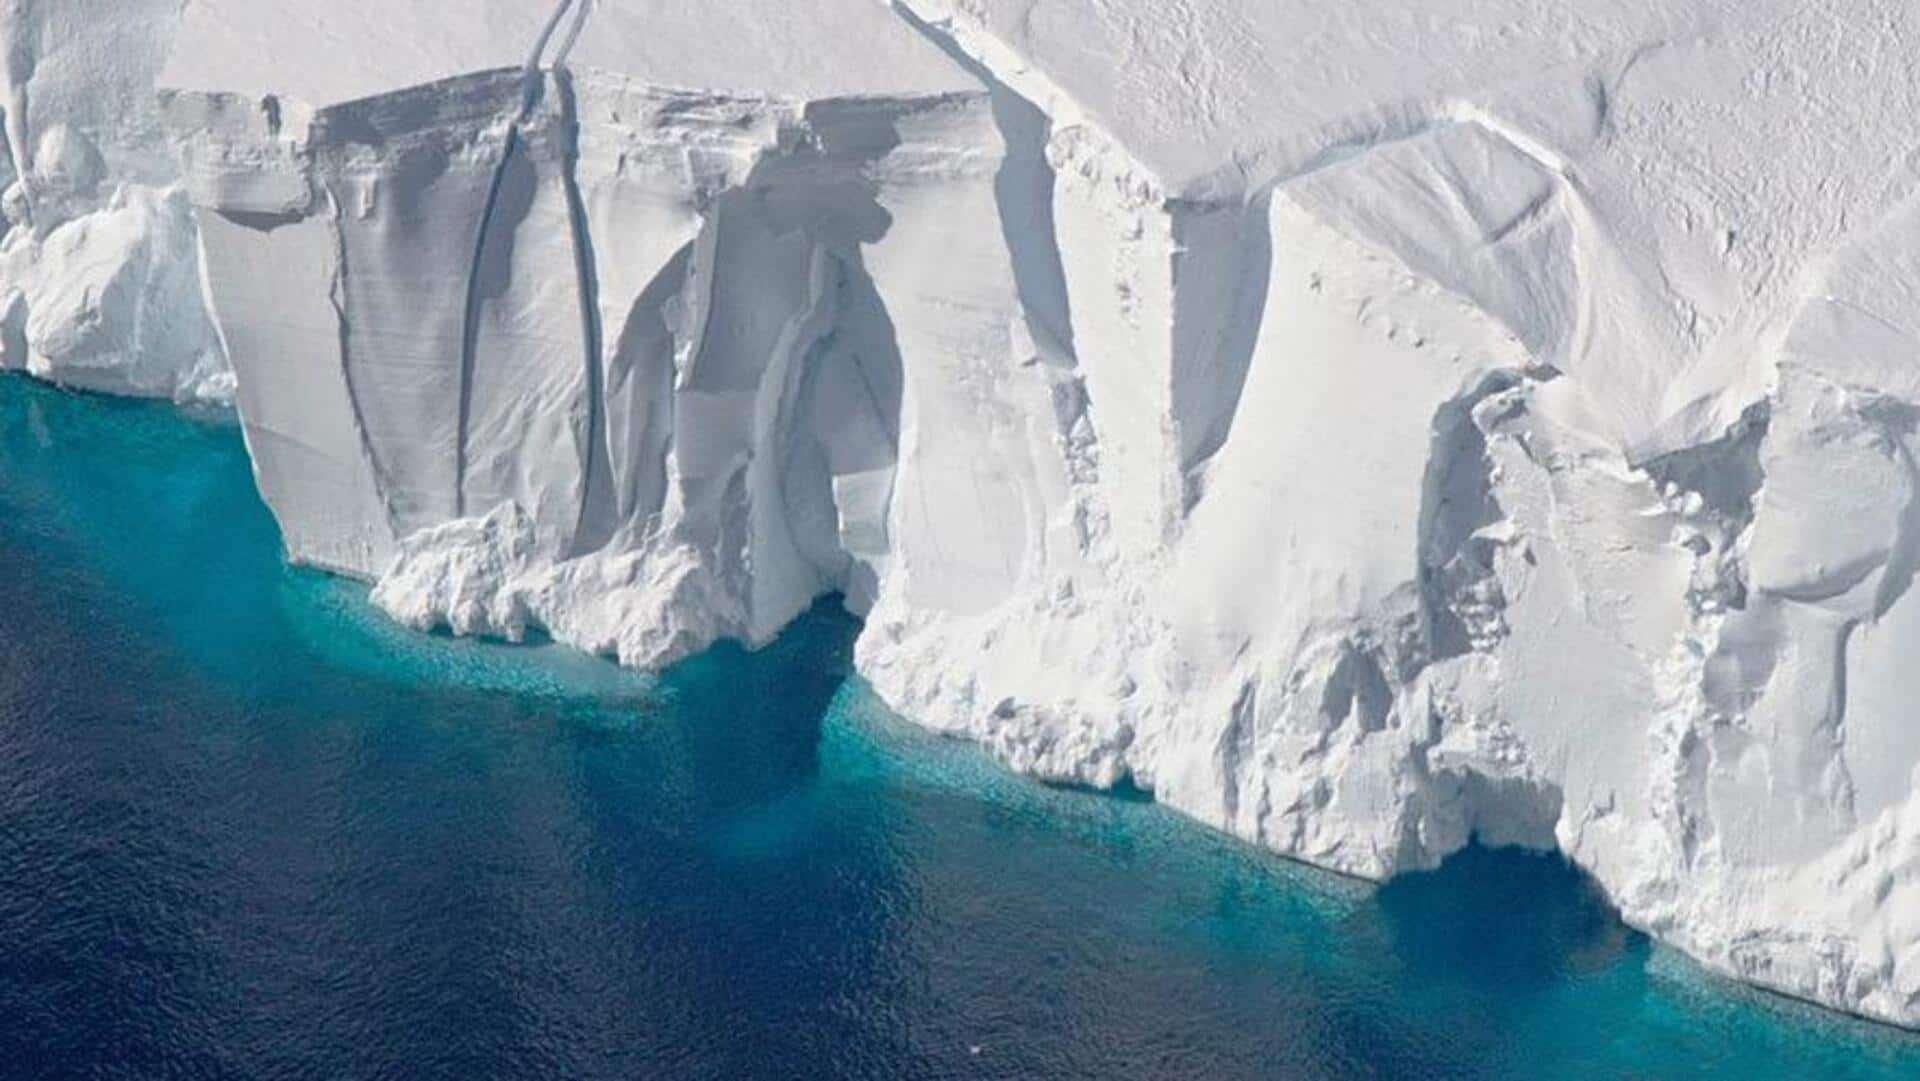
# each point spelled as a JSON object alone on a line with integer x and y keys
{"x": 1364, "y": 428}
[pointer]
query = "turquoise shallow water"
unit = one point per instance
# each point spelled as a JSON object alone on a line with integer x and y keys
{"x": 247, "y": 829}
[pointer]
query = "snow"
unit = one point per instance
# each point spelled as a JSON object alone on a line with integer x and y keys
{"x": 245, "y": 47}
{"x": 1364, "y": 427}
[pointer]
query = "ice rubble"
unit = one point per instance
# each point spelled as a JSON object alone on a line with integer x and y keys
{"x": 1363, "y": 425}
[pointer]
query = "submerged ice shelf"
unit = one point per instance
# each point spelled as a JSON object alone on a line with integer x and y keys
{"x": 1365, "y": 430}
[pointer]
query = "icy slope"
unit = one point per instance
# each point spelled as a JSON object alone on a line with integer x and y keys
{"x": 1363, "y": 426}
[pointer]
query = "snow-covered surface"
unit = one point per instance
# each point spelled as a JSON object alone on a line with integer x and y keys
{"x": 1363, "y": 425}
{"x": 252, "y": 48}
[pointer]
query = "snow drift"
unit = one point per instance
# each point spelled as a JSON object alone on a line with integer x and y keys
{"x": 1364, "y": 428}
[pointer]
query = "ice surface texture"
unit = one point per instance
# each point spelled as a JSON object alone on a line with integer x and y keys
{"x": 1363, "y": 426}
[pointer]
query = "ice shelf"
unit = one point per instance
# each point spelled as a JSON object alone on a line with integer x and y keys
{"x": 1365, "y": 427}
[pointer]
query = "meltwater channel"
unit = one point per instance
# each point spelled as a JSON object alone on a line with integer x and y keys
{"x": 250, "y": 830}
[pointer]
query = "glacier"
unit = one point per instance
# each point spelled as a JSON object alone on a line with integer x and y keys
{"x": 1365, "y": 428}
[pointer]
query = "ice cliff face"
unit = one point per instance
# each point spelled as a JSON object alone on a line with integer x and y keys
{"x": 1364, "y": 427}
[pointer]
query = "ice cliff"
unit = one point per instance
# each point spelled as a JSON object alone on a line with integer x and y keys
{"x": 1365, "y": 426}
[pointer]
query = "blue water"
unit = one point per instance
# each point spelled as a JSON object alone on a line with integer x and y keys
{"x": 249, "y": 830}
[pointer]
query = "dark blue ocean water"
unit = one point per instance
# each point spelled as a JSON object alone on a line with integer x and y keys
{"x": 249, "y": 830}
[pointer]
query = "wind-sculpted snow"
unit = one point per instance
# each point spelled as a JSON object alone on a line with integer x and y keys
{"x": 1364, "y": 428}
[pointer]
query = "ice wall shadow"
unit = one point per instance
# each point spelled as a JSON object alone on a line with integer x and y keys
{"x": 750, "y": 722}
{"x": 1503, "y": 919}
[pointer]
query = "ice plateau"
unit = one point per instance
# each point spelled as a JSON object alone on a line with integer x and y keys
{"x": 1365, "y": 426}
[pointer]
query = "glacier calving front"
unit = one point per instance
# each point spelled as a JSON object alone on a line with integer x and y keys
{"x": 1364, "y": 426}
